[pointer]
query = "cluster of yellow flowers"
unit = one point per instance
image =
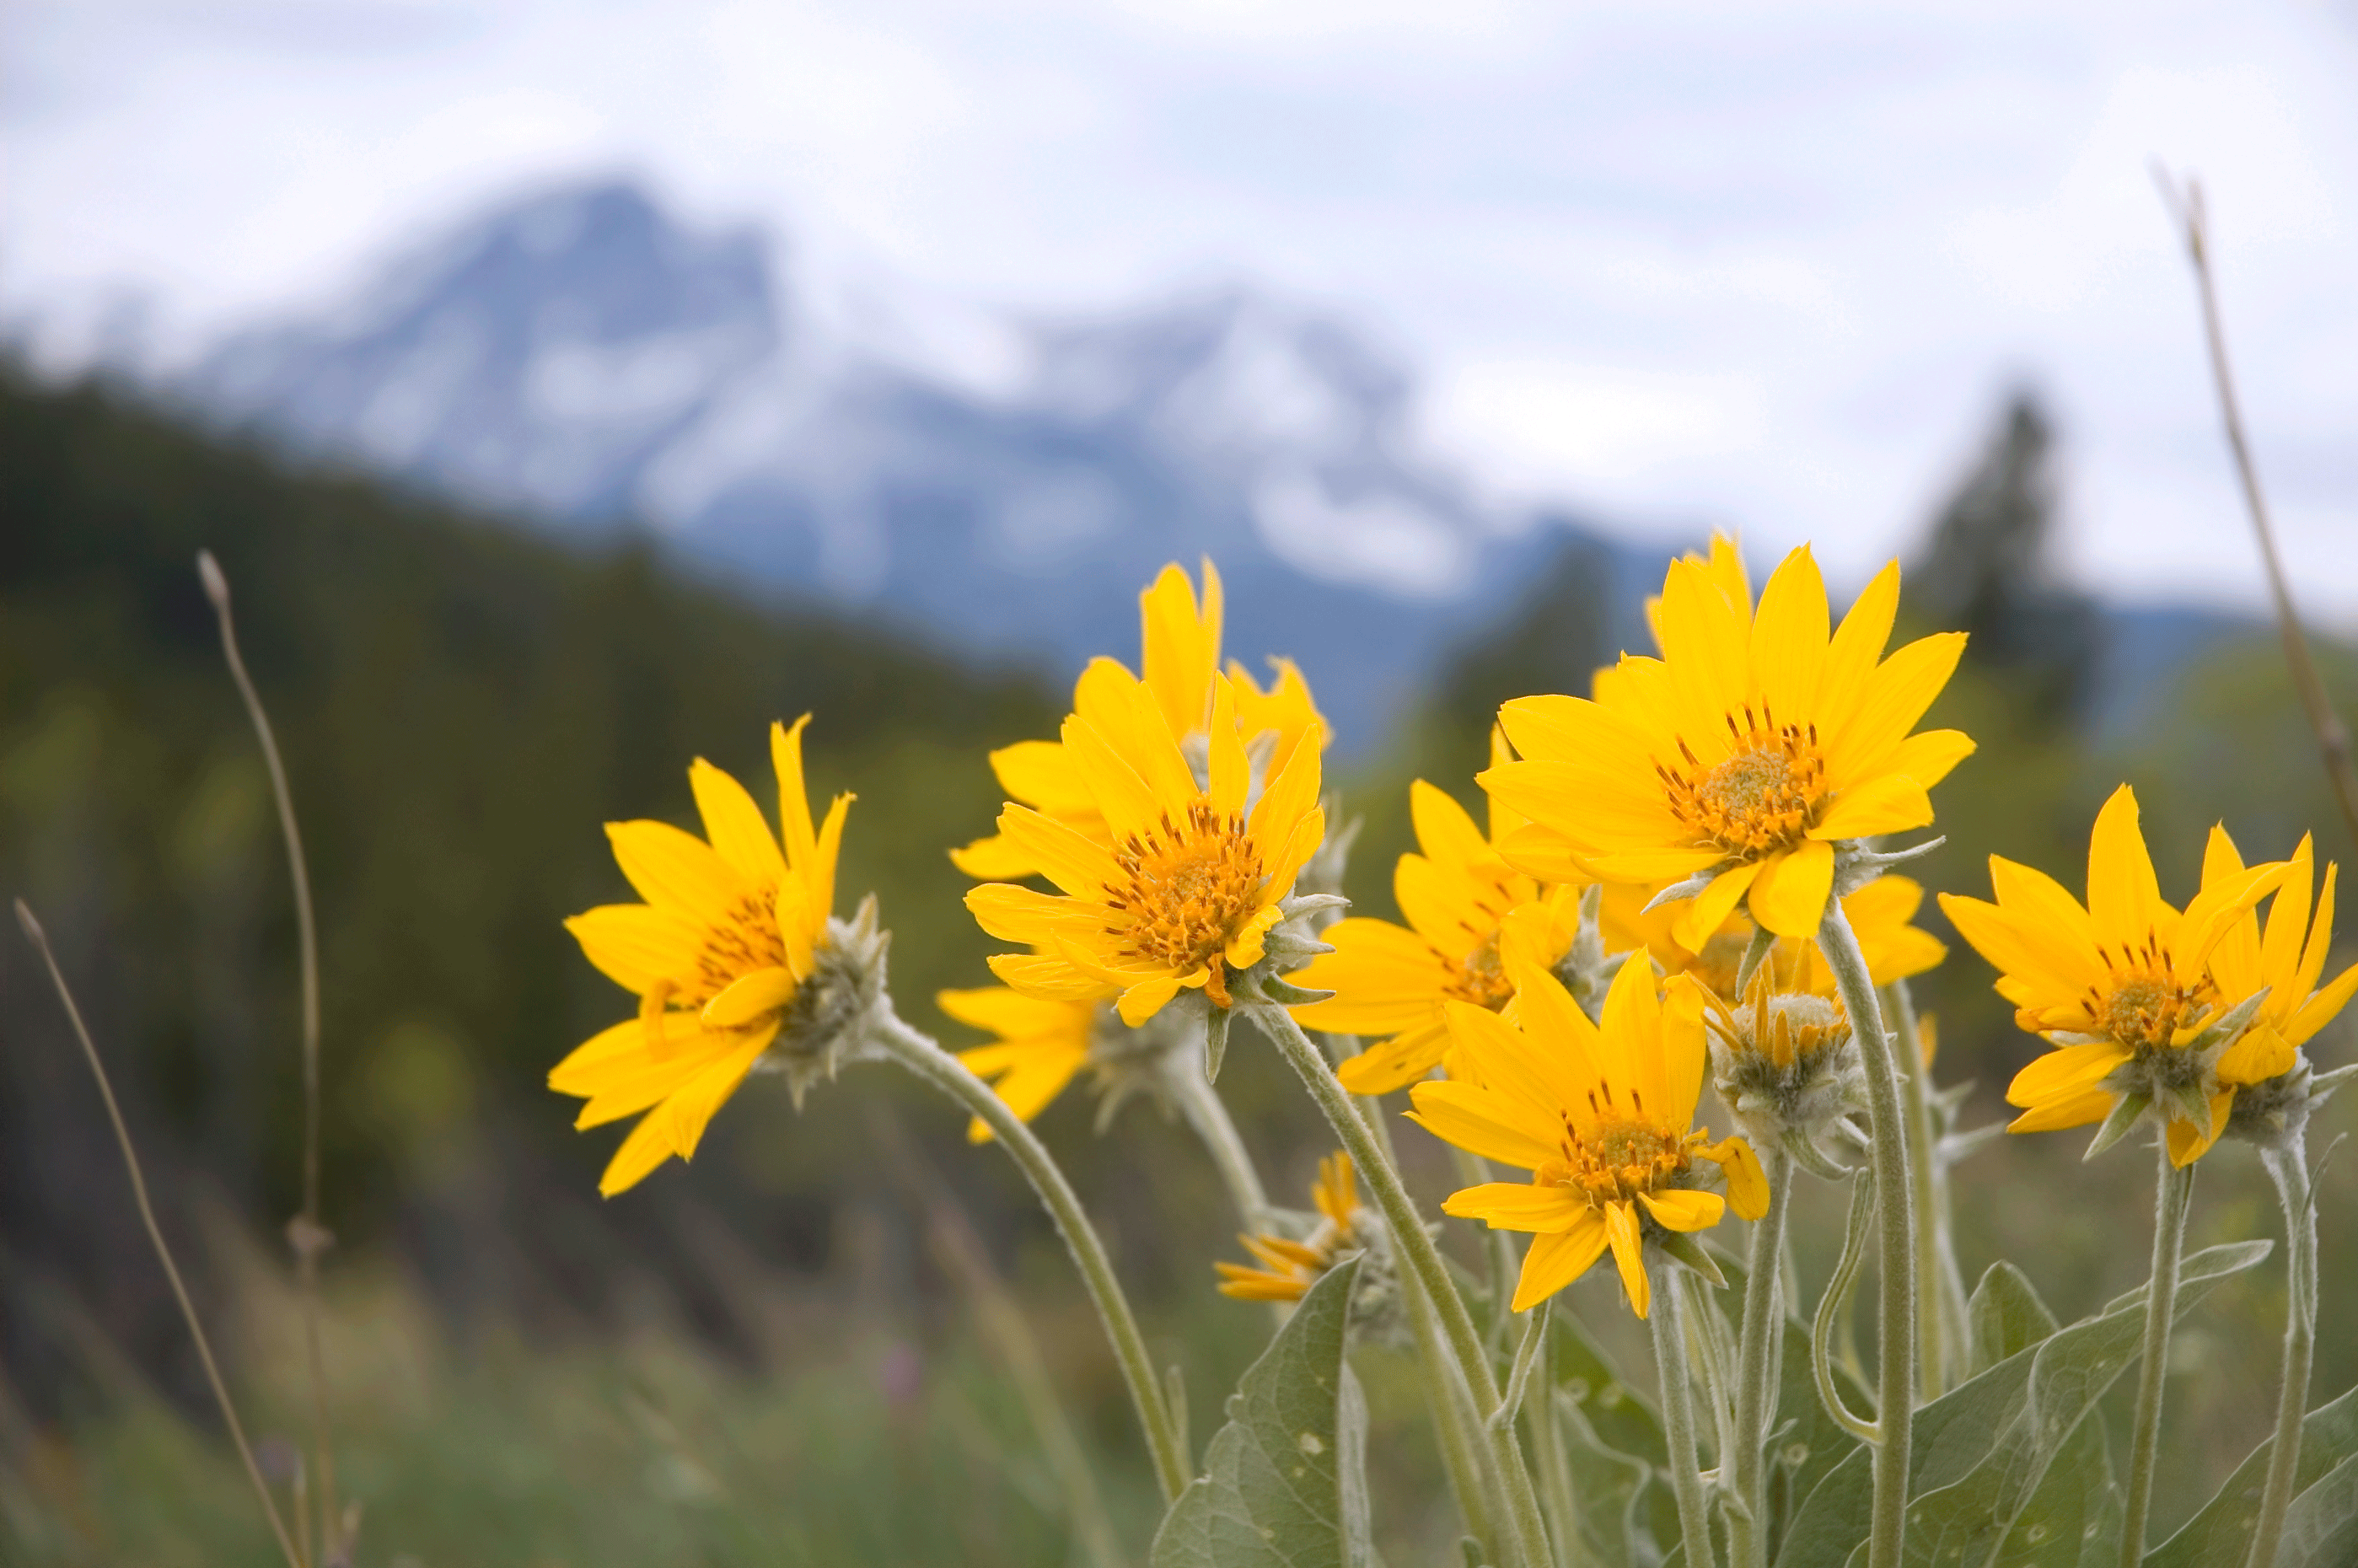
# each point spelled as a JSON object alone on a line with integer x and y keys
{"x": 1703, "y": 801}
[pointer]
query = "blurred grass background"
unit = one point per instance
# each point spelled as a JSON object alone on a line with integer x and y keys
{"x": 760, "y": 1359}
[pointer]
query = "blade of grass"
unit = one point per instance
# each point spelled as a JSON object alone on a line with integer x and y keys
{"x": 305, "y": 1233}
{"x": 40, "y": 942}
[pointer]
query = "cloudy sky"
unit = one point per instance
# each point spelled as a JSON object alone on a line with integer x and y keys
{"x": 1674, "y": 263}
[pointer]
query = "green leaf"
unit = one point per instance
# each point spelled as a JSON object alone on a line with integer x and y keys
{"x": 2329, "y": 1436}
{"x": 1283, "y": 1484}
{"x": 2321, "y": 1526}
{"x": 1982, "y": 1450}
{"x": 2006, "y": 1316}
{"x": 1805, "y": 1441}
{"x": 1613, "y": 1443}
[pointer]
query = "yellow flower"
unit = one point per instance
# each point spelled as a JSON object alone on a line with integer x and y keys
{"x": 1185, "y": 886}
{"x": 1881, "y": 914}
{"x": 2124, "y": 982}
{"x": 1041, "y": 1044}
{"x": 1181, "y": 643}
{"x": 1288, "y": 1267}
{"x": 732, "y": 928}
{"x": 1602, "y": 1116}
{"x": 1464, "y": 907}
{"x": 1749, "y": 749}
{"x": 2286, "y": 961}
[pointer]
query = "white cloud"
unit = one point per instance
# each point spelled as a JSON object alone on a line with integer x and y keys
{"x": 1762, "y": 267}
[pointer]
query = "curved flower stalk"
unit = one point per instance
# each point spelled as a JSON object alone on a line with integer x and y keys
{"x": 1190, "y": 885}
{"x": 735, "y": 959}
{"x": 1180, "y": 641}
{"x": 2286, "y": 960}
{"x": 1602, "y": 1116}
{"x": 1042, "y": 1044}
{"x": 2123, "y": 988}
{"x": 1465, "y": 909}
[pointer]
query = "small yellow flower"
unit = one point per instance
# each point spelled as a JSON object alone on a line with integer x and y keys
{"x": 2286, "y": 960}
{"x": 2124, "y": 983}
{"x": 1748, "y": 750}
{"x": 1289, "y": 1268}
{"x": 1602, "y": 1116}
{"x": 1181, "y": 643}
{"x": 1041, "y": 1043}
{"x": 1465, "y": 907}
{"x": 730, "y": 929}
{"x": 1881, "y": 917}
{"x": 1185, "y": 886}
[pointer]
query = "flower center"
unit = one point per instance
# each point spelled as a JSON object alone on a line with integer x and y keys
{"x": 743, "y": 940}
{"x": 2146, "y": 1006}
{"x": 1763, "y": 797}
{"x": 1617, "y": 1159}
{"x": 1187, "y": 888}
{"x": 1480, "y": 978}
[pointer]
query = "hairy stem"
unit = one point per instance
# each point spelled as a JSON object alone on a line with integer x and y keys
{"x": 309, "y": 1232}
{"x": 1527, "y": 1531}
{"x": 2288, "y": 1167}
{"x": 1895, "y": 1350}
{"x": 1454, "y": 1416}
{"x": 1678, "y": 1417}
{"x": 1934, "y": 1339}
{"x": 1760, "y": 1343}
{"x": 1206, "y": 1112}
{"x": 1836, "y": 1304}
{"x": 2172, "y": 1187}
{"x": 920, "y": 1054}
{"x": 40, "y": 941}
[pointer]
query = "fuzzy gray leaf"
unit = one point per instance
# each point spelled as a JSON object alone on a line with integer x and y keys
{"x": 1277, "y": 1489}
{"x": 2005, "y": 1316}
{"x": 2329, "y": 1437}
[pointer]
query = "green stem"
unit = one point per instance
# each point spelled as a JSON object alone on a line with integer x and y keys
{"x": 920, "y": 1054}
{"x": 1526, "y": 1354}
{"x": 1206, "y": 1112}
{"x": 1528, "y": 1531}
{"x": 1498, "y": 1247}
{"x": 1454, "y": 1416}
{"x": 2172, "y": 1187}
{"x": 2288, "y": 1166}
{"x": 1678, "y": 1417}
{"x": 1760, "y": 1347}
{"x": 1932, "y": 1340}
{"x": 1895, "y": 1350}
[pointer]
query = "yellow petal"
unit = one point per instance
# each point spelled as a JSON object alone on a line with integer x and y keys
{"x": 1554, "y": 1260}
{"x": 2070, "y": 1110}
{"x": 1788, "y": 636}
{"x": 793, "y": 795}
{"x": 1628, "y": 1252}
{"x": 609, "y": 1045}
{"x": 1049, "y": 979}
{"x": 636, "y": 945}
{"x": 1791, "y": 893}
{"x": 1518, "y": 1206}
{"x": 734, "y": 823}
{"x": 1144, "y": 999}
{"x": 1853, "y": 649}
{"x": 1484, "y": 1123}
{"x": 1887, "y": 803}
{"x": 1747, "y": 1185}
{"x": 1703, "y": 914}
{"x": 1681, "y": 1209}
{"x": 1181, "y": 645}
{"x": 2069, "y": 1069}
{"x": 748, "y": 997}
{"x": 1043, "y": 774}
{"x": 2123, "y": 900}
{"x": 1396, "y": 1062}
{"x": 677, "y": 870}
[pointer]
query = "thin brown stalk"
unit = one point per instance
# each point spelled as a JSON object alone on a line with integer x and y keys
{"x": 40, "y": 941}
{"x": 305, "y": 1233}
{"x": 2185, "y": 203}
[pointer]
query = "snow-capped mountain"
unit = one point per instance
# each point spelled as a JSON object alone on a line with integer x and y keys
{"x": 1000, "y": 484}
